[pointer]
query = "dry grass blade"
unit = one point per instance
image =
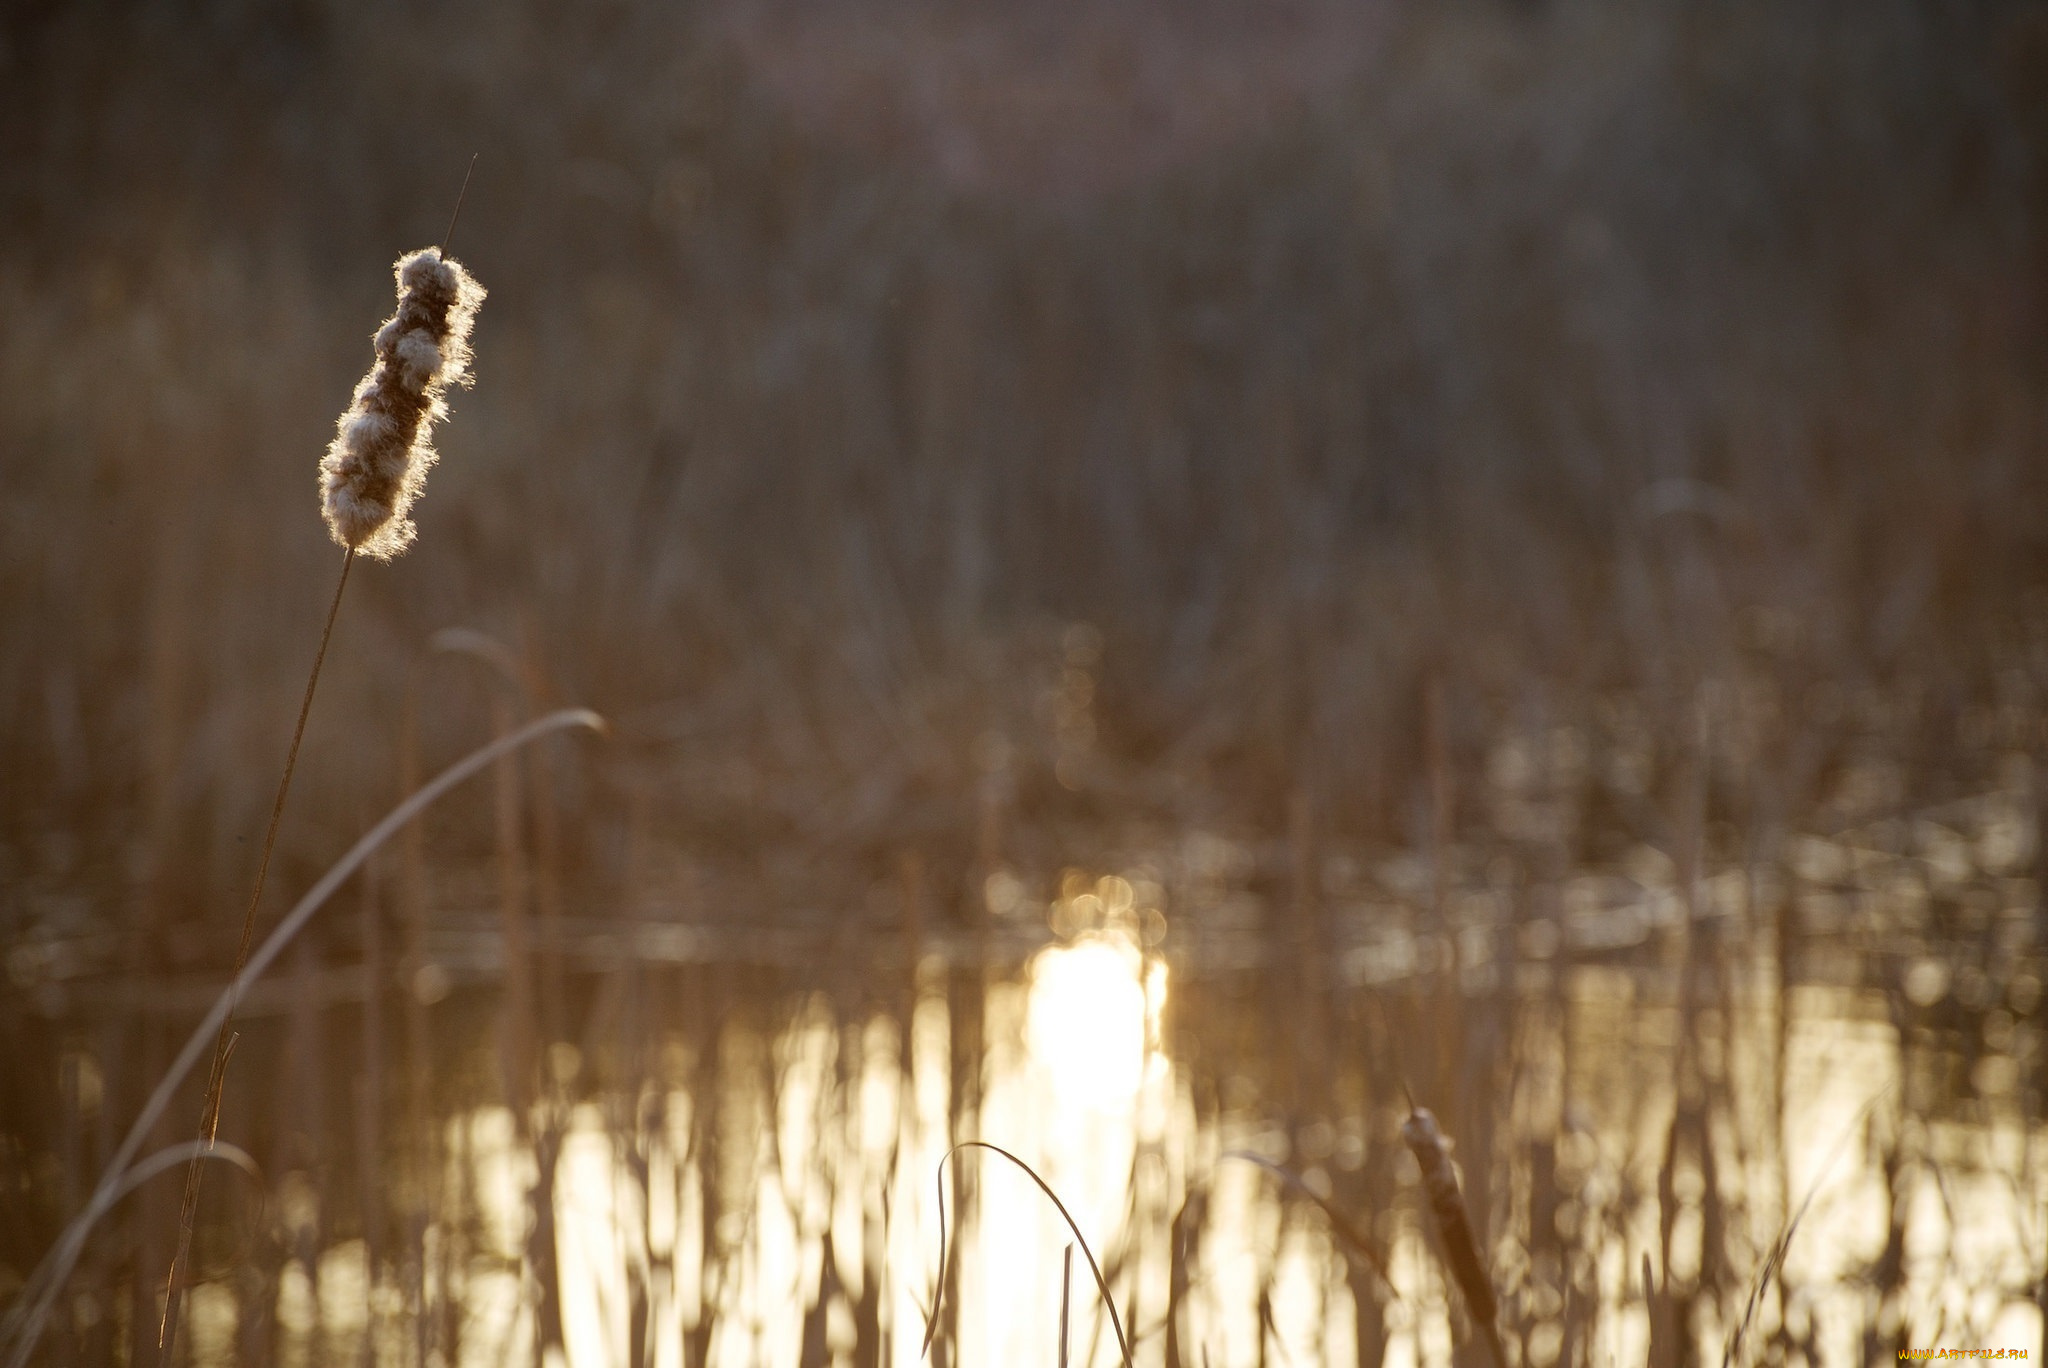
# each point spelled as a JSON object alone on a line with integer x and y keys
{"x": 1066, "y": 1300}
{"x": 108, "y": 1196}
{"x": 1775, "y": 1261}
{"x": 931, "y": 1327}
{"x": 488, "y": 649}
{"x": 1348, "y": 1232}
{"x": 56, "y": 1267}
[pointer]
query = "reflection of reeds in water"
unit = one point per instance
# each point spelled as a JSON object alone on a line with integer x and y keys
{"x": 723, "y": 1043}
{"x": 1610, "y": 1065}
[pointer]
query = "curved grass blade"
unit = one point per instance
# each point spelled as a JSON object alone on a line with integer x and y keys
{"x": 1347, "y": 1232}
{"x": 931, "y": 1327}
{"x": 29, "y": 1316}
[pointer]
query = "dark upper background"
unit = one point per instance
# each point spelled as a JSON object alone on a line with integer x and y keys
{"x": 1135, "y": 411}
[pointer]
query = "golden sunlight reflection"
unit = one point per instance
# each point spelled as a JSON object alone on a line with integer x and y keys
{"x": 1087, "y": 1017}
{"x": 817, "y": 1181}
{"x": 1078, "y": 1088}
{"x": 1074, "y": 1082}
{"x": 594, "y": 1211}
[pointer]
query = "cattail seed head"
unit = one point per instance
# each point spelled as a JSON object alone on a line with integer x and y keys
{"x": 1447, "y": 1208}
{"x": 383, "y": 444}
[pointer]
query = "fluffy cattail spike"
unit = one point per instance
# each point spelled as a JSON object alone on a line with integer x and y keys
{"x": 383, "y": 445}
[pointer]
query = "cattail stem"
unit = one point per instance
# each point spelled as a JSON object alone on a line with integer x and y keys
{"x": 209, "y": 1117}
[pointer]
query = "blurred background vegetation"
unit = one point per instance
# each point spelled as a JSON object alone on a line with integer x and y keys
{"x": 1540, "y": 350}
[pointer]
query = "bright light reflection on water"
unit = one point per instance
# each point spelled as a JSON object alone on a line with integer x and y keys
{"x": 829, "y": 1131}
{"x": 1076, "y": 1084}
{"x": 1086, "y": 1088}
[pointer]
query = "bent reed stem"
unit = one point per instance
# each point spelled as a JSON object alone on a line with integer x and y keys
{"x": 25, "y": 1321}
{"x": 931, "y": 1328}
{"x": 209, "y": 1112}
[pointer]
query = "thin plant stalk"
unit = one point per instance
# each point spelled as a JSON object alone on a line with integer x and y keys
{"x": 1066, "y": 1300}
{"x": 1101, "y": 1284}
{"x": 216, "y": 1083}
{"x": 1774, "y": 1261}
{"x": 164, "y": 1160}
{"x": 424, "y": 1190}
{"x": 370, "y": 1104}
